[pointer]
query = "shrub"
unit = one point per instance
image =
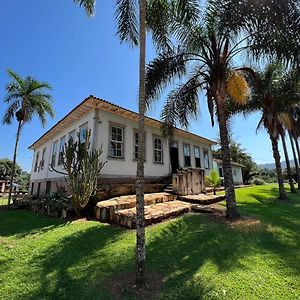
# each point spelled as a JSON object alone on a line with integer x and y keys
{"x": 257, "y": 181}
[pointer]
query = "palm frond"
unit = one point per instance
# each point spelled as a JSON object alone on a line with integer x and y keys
{"x": 88, "y": 5}
{"x": 182, "y": 104}
{"x": 162, "y": 71}
{"x": 127, "y": 21}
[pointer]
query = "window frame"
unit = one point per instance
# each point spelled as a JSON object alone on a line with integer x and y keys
{"x": 156, "y": 149}
{"x": 184, "y": 156}
{"x": 208, "y": 162}
{"x": 197, "y": 147}
{"x": 54, "y": 154}
{"x": 70, "y": 134}
{"x": 61, "y": 150}
{"x": 42, "y": 162}
{"x": 36, "y": 164}
{"x": 110, "y": 141}
{"x": 81, "y": 127}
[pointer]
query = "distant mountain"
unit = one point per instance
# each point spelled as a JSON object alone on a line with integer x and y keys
{"x": 271, "y": 166}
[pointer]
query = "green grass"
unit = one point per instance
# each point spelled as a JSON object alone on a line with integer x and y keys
{"x": 3, "y": 201}
{"x": 44, "y": 258}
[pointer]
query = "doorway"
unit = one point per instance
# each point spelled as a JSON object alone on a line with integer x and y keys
{"x": 174, "y": 157}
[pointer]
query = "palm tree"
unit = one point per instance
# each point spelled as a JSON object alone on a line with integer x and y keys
{"x": 273, "y": 91}
{"x": 26, "y": 98}
{"x": 293, "y": 132}
{"x": 286, "y": 154}
{"x": 205, "y": 56}
{"x": 132, "y": 22}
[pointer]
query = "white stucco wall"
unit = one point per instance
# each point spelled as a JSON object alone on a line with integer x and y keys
{"x": 236, "y": 172}
{"x": 121, "y": 167}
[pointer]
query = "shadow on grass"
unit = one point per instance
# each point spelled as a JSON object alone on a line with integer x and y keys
{"x": 79, "y": 265}
{"x": 23, "y": 222}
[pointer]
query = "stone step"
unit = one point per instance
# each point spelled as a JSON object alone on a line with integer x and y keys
{"x": 203, "y": 199}
{"x": 153, "y": 213}
{"x": 105, "y": 210}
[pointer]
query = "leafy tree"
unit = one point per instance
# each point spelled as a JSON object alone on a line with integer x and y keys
{"x": 23, "y": 180}
{"x": 82, "y": 170}
{"x": 6, "y": 166}
{"x": 239, "y": 155}
{"x": 213, "y": 180}
{"x": 26, "y": 98}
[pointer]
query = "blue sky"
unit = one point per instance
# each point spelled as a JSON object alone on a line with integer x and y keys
{"x": 54, "y": 41}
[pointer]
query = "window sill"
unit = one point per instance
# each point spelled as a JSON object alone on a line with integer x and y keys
{"x": 115, "y": 158}
{"x": 158, "y": 162}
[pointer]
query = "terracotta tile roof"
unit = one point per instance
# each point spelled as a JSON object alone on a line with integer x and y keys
{"x": 219, "y": 162}
{"x": 91, "y": 102}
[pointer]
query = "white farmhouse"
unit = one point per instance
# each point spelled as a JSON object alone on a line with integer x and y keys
{"x": 115, "y": 129}
{"x": 237, "y": 173}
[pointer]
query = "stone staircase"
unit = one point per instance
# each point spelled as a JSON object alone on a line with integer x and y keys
{"x": 158, "y": 207}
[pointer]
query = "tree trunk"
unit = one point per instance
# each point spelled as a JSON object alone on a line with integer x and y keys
{"x": 295, "y": 159}
{"x": 276, "y": 155}
{"x": 298, "y": 149}
{"x": 14, "y": 162}
{"x": 232, "y": 211}
{"x": 288, "y": 166}
{"x": 140, "y": 213}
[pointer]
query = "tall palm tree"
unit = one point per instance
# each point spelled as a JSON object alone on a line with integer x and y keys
{"x": 26, "y": 98}
{"x": 133, "y": 18}
{"x": 293, "y": 133}
{"x": 205, "y": 56}
{"x": 273, "y": 91}
{"x": 285, "y": 151}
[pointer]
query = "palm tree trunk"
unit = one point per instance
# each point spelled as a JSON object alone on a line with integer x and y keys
{"x": 276, "y": 155}
{"x": 295, "y": 159}
{"x": 232, "y": 212}
{"x": 140, "y": 213}
{"x": 14, "y": 162}
{"x": 298, "y": 148}
{"x": 288, "y": 166}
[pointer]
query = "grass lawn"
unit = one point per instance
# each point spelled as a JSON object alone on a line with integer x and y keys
{"x": 3, "y": 201}
{"x": 44, "y": 258}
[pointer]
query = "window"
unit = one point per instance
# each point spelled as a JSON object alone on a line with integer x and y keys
{"x": 136, "y": 142}
{"x": 206, "y": 159}
{"x": 42, "y": 162}
{"x": 197, "y": 157}
{"x": 116, "y": 142}
{"x": 71, "y": 137}
{"x": 234, "y": 172}
{"x": 61, "y": 150}
{"x": 158, "y": 150}
{"x": 32, "y": 188}
{"x": 54, "y": 153}
{"x": 187, "y": 155}
{"x": 48, "y": 187}
{"x": 36, "y": 162}
{"x": 38, "y": 189}
{"x": 83, "y": 133}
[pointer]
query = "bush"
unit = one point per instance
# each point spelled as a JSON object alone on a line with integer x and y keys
{"x": 55, "y": 201}
{"x": 257, "y": 181}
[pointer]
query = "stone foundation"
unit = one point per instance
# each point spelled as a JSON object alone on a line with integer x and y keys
{"x": 189, "y": 182}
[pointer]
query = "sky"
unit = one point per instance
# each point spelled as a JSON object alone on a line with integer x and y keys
{"x": 55, "y": 41}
